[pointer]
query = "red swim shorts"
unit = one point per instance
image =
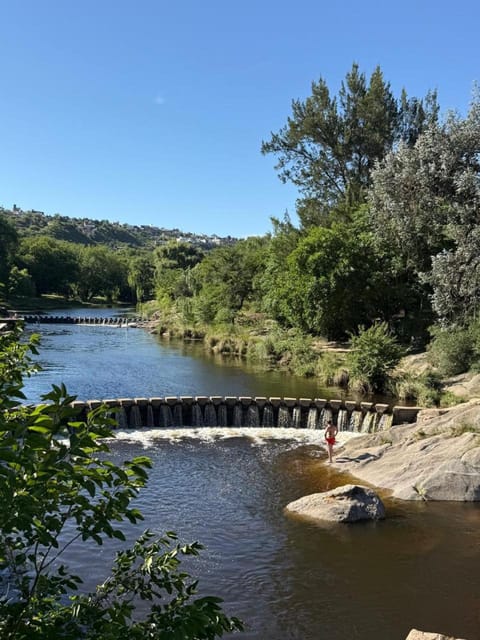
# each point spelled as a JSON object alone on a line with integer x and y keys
{"x": 330, "y": 440}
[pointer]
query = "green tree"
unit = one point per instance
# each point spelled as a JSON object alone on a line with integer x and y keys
{"x": 455, "y": 279}
{"x": 102, "y": 273}
{"x": 141, "y": 272}
{"x": 424, "y": 205}
{"x": 275, "y": 277}
{"x": 173, "y": 262}
{"x": 58, "y": 485}
{"x": 20, "y": 283}
{"x": 228, "y": 279}
{"x": 415, "y": 116}
{"x": 52, "y": 264}
{"x": 332, "y": 281}
{"x": 331, "y": 144}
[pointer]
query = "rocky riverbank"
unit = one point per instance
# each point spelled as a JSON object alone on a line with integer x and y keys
{"x": 436, "y": 458}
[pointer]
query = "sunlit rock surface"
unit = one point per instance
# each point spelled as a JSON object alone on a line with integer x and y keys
{"x": 437, "y": 458}
{"x": 349, "y": 503}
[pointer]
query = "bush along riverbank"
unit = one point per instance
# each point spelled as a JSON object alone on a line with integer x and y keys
{"x": 371, "y": 362}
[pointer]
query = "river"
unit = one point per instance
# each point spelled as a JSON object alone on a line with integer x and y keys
{"x": 111, "y": 362}
{"x": 286, "y": 578}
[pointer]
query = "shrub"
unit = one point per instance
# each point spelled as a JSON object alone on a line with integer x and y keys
{"x": 262, "y": 350}
{"x": 451, "y": 350}
{"x": 330, "y": 369}
{"x": 374, "y": 353}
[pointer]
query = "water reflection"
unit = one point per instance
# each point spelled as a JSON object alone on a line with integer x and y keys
{"x": 108, "y": 362}
{"x": 101, "y": 361}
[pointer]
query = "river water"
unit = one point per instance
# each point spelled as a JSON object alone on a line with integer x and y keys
{"x": 112, "y": 362}
{"x": 286, "y": 578}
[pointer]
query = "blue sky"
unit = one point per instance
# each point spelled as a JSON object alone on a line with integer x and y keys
{"x": 153, "y": 112}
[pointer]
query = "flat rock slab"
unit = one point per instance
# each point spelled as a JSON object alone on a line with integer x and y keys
{"x": 349, "y": 503}
{"x": 424, "y": 635}
{"x": 437, "y": 458}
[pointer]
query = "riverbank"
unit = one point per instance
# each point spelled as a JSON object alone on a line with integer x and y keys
{"x": 259, "y": 340}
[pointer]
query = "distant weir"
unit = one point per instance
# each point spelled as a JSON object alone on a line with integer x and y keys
{"x": 98, "y": 320}
{"x": 243, "y": 411}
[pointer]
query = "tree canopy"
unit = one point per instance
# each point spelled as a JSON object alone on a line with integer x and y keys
{"x": 330, "y": 145}
{"x": 425, "y": 205}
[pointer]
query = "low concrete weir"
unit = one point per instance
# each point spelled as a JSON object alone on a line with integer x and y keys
{"x": 243, "y": 411}
{"x": 114, "y": 320}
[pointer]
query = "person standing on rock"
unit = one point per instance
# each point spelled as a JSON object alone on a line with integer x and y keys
{"x": 330, "y": 433}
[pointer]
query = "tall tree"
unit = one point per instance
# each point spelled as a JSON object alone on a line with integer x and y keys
{"x": 330, "y": 144}
{"x": 425, "y": 205}
{"x": 102, "y": 273}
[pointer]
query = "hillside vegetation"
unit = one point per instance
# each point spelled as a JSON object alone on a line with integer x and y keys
{"x": 87, "y": 231}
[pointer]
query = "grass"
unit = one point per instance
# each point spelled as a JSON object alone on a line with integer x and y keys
{"x": 421, "y": 491}
{"x": 425, "y": 389}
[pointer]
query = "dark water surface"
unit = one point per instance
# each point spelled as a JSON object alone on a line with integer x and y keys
{"x": 286, "y": 578}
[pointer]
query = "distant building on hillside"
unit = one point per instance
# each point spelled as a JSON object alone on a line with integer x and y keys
{"x": 88, "y": 229}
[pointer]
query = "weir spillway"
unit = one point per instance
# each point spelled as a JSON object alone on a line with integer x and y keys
{"x": 232, "y": 411}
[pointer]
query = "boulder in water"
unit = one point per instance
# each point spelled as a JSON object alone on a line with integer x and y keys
{"x": 349, "y": 503}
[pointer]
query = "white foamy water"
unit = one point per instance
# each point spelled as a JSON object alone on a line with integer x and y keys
{"x": 256, "y": 435}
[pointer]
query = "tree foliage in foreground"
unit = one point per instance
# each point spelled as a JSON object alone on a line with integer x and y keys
{"x": 59, "y": 487}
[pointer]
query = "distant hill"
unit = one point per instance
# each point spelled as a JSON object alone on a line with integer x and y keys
{"x": 114, "y": 234}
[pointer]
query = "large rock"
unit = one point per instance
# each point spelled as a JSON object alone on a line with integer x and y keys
{"x": 438, "y": 458}
{"x": 424, "y": 635}
{"x": 349, "y": 503}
